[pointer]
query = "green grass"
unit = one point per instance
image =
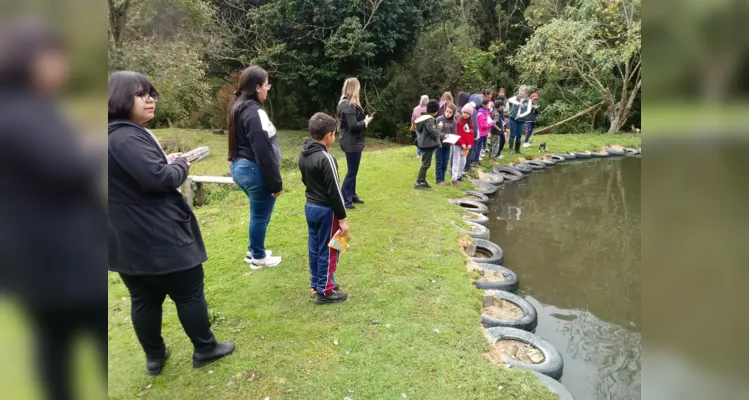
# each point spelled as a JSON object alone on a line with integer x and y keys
{"x": 403, "y": 269}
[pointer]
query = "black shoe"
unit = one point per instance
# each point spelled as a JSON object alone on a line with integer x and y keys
{"x": 358, "y": 201}
{"x": 333, "y": 297}
{"x": 350, "y": 206}
{"x": 421, "y": 186}
{"x": 154, "y": 367}
{"x": 202, "y": 359}
{"x": 314, "y": 292}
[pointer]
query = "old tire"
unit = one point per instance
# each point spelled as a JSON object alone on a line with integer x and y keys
{"x": 548, "y": 162}
{"x": 630, "y": 151}
{"x": 496, "y": 255}
{"x": 477, "y": 231}
{"x": 528, "y": 322}
{"x": 510, "y": 177}
{"x": 509, "y": 170}
{"x": 483, "y": 187}
{"x": 471, "y": 205}
{"x": 492, "y": 178}
{"x": 558, "y": 158}
{"x": 583, "y": 154}
{"x": 554, "y": 386}
{"x": 476, "y": 196}
{"x": 600, "y": 154}
{"x": 552, "y": 366}
{"x": 568, "y": 156}
{"x": 536, "y": 164}
{"x": 525, "y": 169}
{"x": 476, "y": 218}
{"x": 509, "y": 285}
{"x": 614, "y": 152}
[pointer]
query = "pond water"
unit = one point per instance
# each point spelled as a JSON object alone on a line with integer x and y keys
{"x": 572, "y": 235}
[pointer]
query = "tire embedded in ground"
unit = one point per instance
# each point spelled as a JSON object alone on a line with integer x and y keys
{"x": 568, "y": 156}
{"x": 509, "y": 177}
{"x": 508, "y": 170}
{"x": 600, "y": 154}
{"x": 483, "y": 187}
{"x": 558, "y": 158}
{"x": 614, "y": 152}
{"x": 548, "y": 162}
{"x": 496, "y": 255}
{"x": 525, "y": 169}
{"x": 583, "y": 154}
{"x": 477, "y": 231}
{"x": 510, "y": 284}
{"x": 630, "y": 151}
{"x": 494, "y": 179}
{"x": 554, "y": 386}
{"x": 471, "y": 205}
{"x": 536, "y": 164}
{"x": 476, "y": 218}
{"x": 476, "y": 196}
{"x": 527, "y": 322}
{"x": 552, "y": 365}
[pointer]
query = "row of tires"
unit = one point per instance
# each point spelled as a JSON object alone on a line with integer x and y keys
{"x": 550, "y": 370}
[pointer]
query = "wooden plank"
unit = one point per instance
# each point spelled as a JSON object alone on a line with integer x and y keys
{"x": 201, "y": 194}
{"x": 187, "y": 190}
{"x": 212, "y": 179}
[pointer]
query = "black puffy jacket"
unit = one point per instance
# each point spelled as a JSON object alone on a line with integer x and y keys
{"x": 352, "y": 126}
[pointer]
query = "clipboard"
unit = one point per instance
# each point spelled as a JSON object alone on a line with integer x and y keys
{"x": 451, "y": 139}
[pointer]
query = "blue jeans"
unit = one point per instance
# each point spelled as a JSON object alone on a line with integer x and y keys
{"x": 443, "y": 157}
{"x": 516, "y": 129}
{"x": 348, "y": 189}
{"x": 323, "y": 261}
{"x": 530, "y": 125}
{"x": 247, "y": 176}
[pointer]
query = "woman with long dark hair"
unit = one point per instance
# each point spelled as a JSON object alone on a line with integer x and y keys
{"x": 255, "y": 160}
{"x": 353, "y": 124}
{"x": 154, "y": 239}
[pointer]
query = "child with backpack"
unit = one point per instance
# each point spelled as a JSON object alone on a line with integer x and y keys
{"x": 428, "y": 134}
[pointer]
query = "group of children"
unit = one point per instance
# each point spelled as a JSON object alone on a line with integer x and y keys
{"x": 474, "y": 119}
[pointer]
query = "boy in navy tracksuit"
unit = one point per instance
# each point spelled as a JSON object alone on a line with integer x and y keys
{"x": 325, "y": 210}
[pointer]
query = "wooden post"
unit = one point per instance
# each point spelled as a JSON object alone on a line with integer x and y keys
{"x": 187, "y": 190}
{"x": 201, "y": 194}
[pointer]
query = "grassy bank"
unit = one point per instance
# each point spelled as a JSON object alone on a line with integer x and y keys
{"x": 411, "y": 325}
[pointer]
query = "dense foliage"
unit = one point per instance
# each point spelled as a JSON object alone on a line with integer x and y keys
{"x": 574, "y": 53}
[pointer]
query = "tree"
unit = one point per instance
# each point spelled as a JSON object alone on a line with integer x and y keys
{"x": 598, "y": 45}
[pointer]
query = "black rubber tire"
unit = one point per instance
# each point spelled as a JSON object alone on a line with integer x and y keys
{"x": 536, "y": 164}
{"x": 510, "y": 177}
{"x": 476, "y": 218}
{"x": 497, "y": 255}
{"x": 479, "y": 231}
{"x": 558, "y": 158}
{"x": 584, "y": 154}
{"x": 600, "y": 154}
{"x": 525, "y": 169}
{"x": 568, "y": 156}
{"x": 614, "y": 152}
{"x": 509, "y": 285}
{"x": 630, "y": 151}
{"x": 476, "y": 196}
{"x": 494, "y": 179}
{"x": 509, "y": 170}
{"x": 528, "y": 322}
{"x": 547, "y": 162}
{"x": 483, "y": 187}
{"x": 471, "y": 205}
{"x": 553, "y": 364}
{"x": 554, "y": 386}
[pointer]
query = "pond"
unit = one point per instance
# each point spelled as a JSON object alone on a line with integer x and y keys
{"x": 572, "y": 235}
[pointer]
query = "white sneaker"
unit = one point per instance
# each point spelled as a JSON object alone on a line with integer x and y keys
{"x": 501, "y": 157}
{"x": 526, "y": 144}
{"x": 265, "y": 262}
{"x": 248, "y": 257}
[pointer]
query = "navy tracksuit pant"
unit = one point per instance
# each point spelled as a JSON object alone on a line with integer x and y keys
{"x": 323, "y": 261}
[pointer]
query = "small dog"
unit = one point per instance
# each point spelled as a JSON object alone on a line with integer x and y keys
{"x": 542, "y": 146}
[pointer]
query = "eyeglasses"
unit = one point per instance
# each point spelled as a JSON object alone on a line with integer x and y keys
{"x": 145, "y": 95}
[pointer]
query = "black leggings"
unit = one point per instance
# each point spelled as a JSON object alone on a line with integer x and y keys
{"x": 147, "y": 294}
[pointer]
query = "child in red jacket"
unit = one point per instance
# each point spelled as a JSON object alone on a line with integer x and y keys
{"x": 464, "y": 144}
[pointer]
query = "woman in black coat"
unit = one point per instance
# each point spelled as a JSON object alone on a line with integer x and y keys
{"x": 353, "y": 125}
{"x": 154, "y": 240}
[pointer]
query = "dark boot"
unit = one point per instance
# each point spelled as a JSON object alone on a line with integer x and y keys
{"x": 517, "y": 146}
{"x": 511, "y": 144}
{"x": 202, "y": 359}
{"x": 154, "y": 367}
{"x": 333, "y": 297}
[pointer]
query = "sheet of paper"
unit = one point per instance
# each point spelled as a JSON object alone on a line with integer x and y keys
{"x": 452, "y": 139}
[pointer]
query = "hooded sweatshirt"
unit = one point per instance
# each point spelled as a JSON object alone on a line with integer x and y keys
{"x": 476, "y": 99}
{"x": 257, "y": 141}
{"x": 427, "y": 132}
{"x": 465, "y": 132}
{"x": 484, "y": 122}
{"x": 462, "y": 99}
{"x": 320, "y": 176}
{"x": 449, "y": 127}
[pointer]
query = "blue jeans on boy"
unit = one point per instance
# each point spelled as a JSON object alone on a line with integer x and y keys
{"x": 442, "y": 154}
{"x": 348, "y": 189}
{"x": 323, "y": 261}
{"x": 530, "y": 125}
{"x": 247, "y": 176}
{"x": 516, "y": 129}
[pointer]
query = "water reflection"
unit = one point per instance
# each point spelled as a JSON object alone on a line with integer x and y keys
{"x": 572, "y": 234}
